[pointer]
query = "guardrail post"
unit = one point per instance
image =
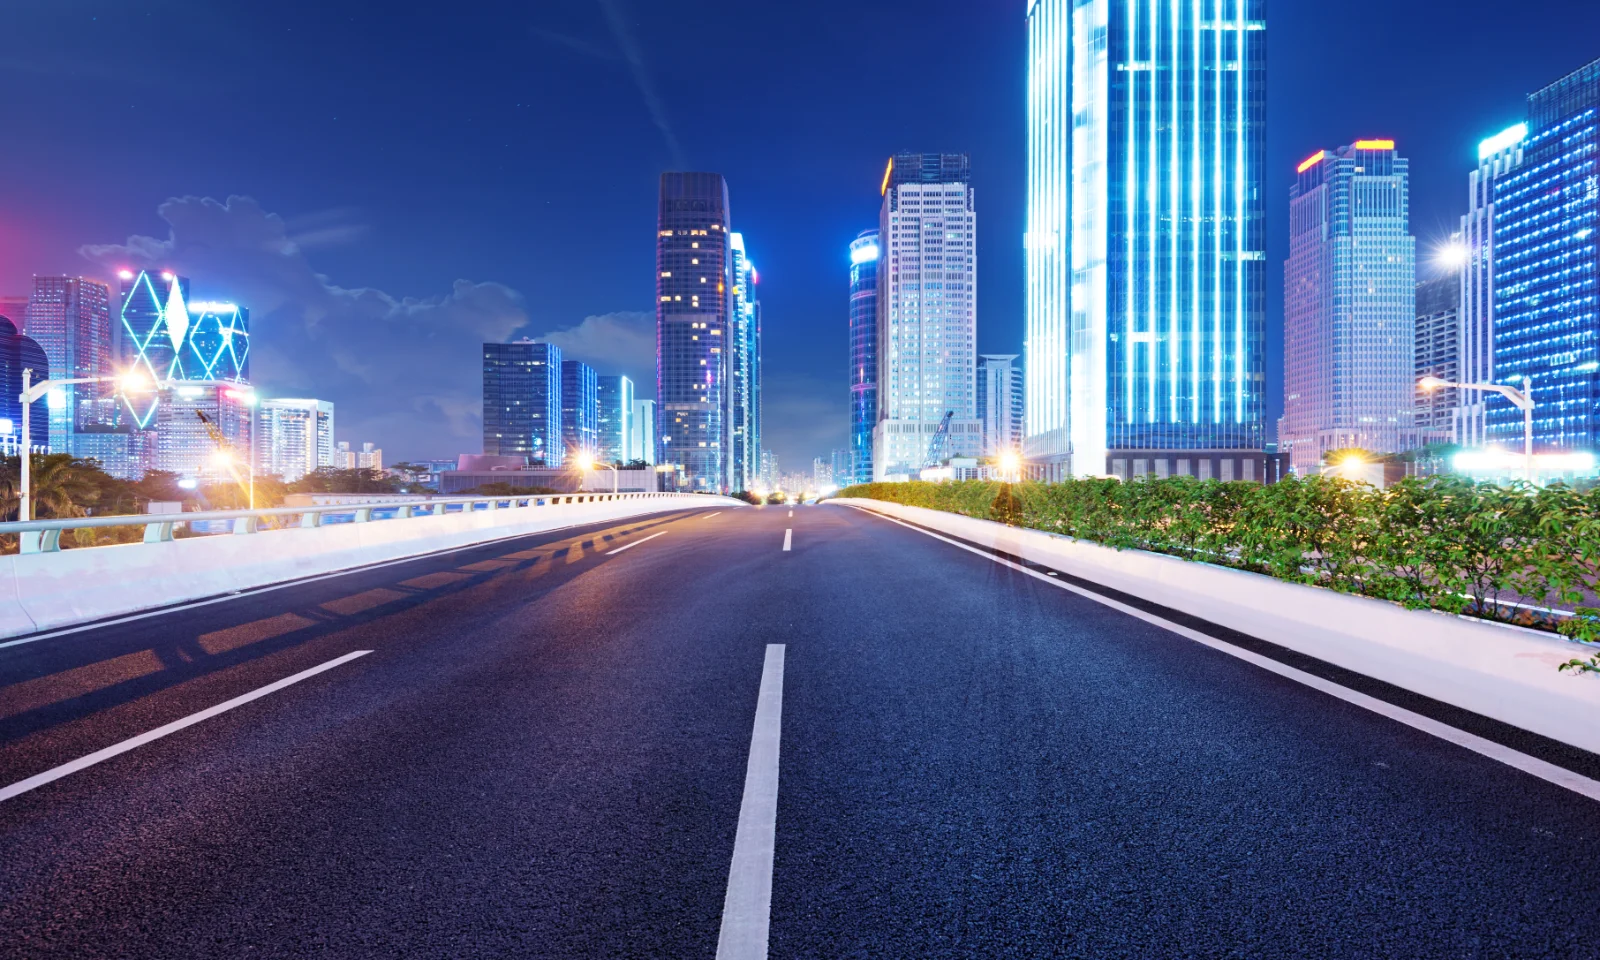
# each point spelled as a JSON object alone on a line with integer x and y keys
{"x": 404, "y": 513}
{"x": 244, "y": 524}
{"x": 310, "y": 520}
{"x": 158, "y": 532}
{"x": 363, "y": 514}
{"x": 39, "y": 541}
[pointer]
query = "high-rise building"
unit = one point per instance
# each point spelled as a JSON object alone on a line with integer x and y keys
{"x": 744, "y": 368}
{"x": 293, "y": 437}
{"x": 1547, "y": 271}
{"x": 369, "y": 457}
{"x": 580, "y": 409}
{"x": 864, "y": 255}
{"x": 1349, "y": 305}
{"x": 1000, "y": 406}
{"x": 153, "y": 321}
{"x": 218, "y": 346}
{"x": 122, "y": 451}
{"x": 821, "y": 474}
{"x": 615, "y": 427}
{"x": 18, "y": 353}
{"x": 927, "y": 312}
{"x": 1438, "y": 354}
{"x": 1145, "y": 239}
{"x": 70, "y": 318}
{"x": 1497, "y": 156}
{"x": 184, "y": 420}
{"x": 643, "y": 444}
{"x": 522, "y": 401}
{"x": 693, "y": 319}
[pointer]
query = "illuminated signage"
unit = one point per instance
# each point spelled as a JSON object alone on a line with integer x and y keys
{"x": 1374, "y": 144}
{"x": 1311, "y": 161}
{"x": 1503, "y": 140}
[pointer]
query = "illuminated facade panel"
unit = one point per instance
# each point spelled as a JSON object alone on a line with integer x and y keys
{"x": 19, "y": 353}
{"x": 1498, "y": 156}
{"x": 744, "y": 369}
{"x": 614, "y": 429}
{"x": 522, "y": 401}
{"x": 865, "y": 253}
{"x": 1547, "y": 271}
{"x": 1438, "y": 354}
{"x": 580, "y": 409}
{"x": 1145, "y": 243}
{"x": 643, "y": 444}
{"x": 218, "y": 343}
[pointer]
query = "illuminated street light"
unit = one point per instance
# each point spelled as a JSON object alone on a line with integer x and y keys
{"x": 1522, "y": 399}
{"x": 31, "y": 392}
{"x": 587, "y": 462}
{"x": 1011, "y": 465}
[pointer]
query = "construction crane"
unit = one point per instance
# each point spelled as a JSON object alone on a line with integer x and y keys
{"x": 941, "y": 439}
{"x": 230, "y": 459}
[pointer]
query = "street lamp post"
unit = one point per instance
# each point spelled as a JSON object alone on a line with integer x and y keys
{"x": 587, "y": 462}
{"x": 31, "y": 392}
{"x": 1522, "y": 399}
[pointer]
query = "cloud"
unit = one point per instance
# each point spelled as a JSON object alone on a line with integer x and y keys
{"x": 623, "y": 34}
{"x": 402, "y": 371}
{"x": 622, "y": 342}
{"x": 576, "y": 44}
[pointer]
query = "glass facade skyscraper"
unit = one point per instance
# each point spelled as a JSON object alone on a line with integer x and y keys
{"x": 694, "y": 315}
{"x": 70, "y": 318}
{"x": 1349, "y": 305}
{"x": 1497, "y": 156}
{"x": 1547, "y": 271}
{"x": 744, "y": 369}
{"x": 1145, "y": 242}
{"x": 865, "y": 253}
{"x": 293, "y": 437}
{"x": 580, "y": 409}
{"x": 1000, "y": 404}
{"x": 614, "y": 429}
{"x": 522, "y": 401}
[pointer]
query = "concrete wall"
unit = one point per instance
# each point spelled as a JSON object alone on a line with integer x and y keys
{"x": 43, "y": 591}
{"x": 1505, "y": 672}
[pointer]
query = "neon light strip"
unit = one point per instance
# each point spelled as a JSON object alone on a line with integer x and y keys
{"x": 1129, "y": 196}
{"x": 1238, "y": 193}
{"x": 1311, "y": 161}
{"x": 1154, "y": 213}
{"x": 1196, "y": 217}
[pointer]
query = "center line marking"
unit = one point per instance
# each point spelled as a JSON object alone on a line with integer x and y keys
{"x": 791, "y": 513}
{"x": 635, "y": 543}
{"x": 710, "y": 515}
{"x": 82, "y": 763}
{"x": 747, "y": 910}
{"x": 788, "y": 536}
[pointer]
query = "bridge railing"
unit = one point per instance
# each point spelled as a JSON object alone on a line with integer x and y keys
{"x": 44, "y": 536}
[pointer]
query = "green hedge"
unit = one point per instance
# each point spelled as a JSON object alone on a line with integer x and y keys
{"x": 1444, "y": 543}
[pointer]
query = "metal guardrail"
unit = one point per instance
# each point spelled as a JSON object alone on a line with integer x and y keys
{"x": 44, "y": 536}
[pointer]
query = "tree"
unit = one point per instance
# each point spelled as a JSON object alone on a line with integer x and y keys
{"x": 60, "y": 484}
{"x": 334, "y": 480}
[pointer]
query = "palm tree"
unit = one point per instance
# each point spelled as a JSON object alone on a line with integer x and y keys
{"x": 60, "y": 484}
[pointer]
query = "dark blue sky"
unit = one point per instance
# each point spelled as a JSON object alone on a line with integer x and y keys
{"x": 414, "y": 178}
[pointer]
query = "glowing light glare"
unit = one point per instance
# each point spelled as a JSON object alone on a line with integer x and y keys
{"x": 56, "y": 399}
{"x": 134, "y": 381}
{"x": 887, "y": 172}
{"x": 124, "y": 274}
{"x": 1505, "y": 139}
{"x": 1488, "y": 461}
{"x": 7, "y": 428}
{"x": 1432, "y": 383}
{"x": 167, "y": 275}
{"x": 222, "y": 458}
{"x": 1453, "y": 255}
{"x": 1311, "y": 161}
{"x": 188, "y": 483}
{"x": 866, "y": 253}
{"x": 585, "y": 461}
{"x": 1374, "y": 144}
{"x": 213, "y": 306}
{"x": 1009, "y": 461}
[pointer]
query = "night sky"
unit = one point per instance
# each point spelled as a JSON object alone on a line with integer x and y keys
{"x": 387, "y": 185}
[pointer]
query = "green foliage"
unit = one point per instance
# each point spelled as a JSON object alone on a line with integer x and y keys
{"x": 334, "y": 480}
{"x": 1443, "y": 543}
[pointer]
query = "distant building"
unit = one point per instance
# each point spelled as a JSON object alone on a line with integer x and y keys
{"x": 580, "y": 408}
{"x": 693, "y": 324}
{"x": 153, "y": 321}
{"x": 643, "y": 424}
{"x": 522, "y": 401}
{"x": 821, "y": 474}
{"x": 928, "y": 312}
{"x": 614, "y": 428}
{"x": 1349, "y": 305}
{"x": 121, "y": 451}
{"x": 1438, "y": 354}
{"x": 184, "y": 418}
{"x": 1000, "y": 404}
{"x": 865, "y": 253}
{"x": 841, "y": 466}
{"x": 369, "y": 457}
{"x": 744, "y": 369}
{"x": 70, "y": 318}
{"x": 19, "y": 353}
{"x": 293, "y": 437}
{"x": 769, "y": 470}
{"x": 1497, "y": 156}
{"x": 1546, "y": 260}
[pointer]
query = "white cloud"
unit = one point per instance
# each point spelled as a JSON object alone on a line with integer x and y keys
{"x": 622, "y": 342}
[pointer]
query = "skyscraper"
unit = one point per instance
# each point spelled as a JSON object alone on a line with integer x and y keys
{"x": 927, "y": 312}
{"x": 614, "y": 429}
{"x": 1438, "y": 354}
{"x": 693, "y": 319}
{"x": 154, "y": 320}
{"x": 293, "y": 437}
{"x": 1497, "y": 156}
{"x": 1547, "y": 271}
{"x": 183, "y": 443}
{"x": 1145, "y": 242}
{"x": 580, "y": 409}
{"x": 70, "y": 318}
{"x": 18, "y": 353}
{"x": 1000, "y": 404}
{"x": 643, "y": 444}
{"x": 522, "y": 401}
{"x": 1349, "y": 305}
{"x": 744, "y": 367}
{"x": 864, "y": 254}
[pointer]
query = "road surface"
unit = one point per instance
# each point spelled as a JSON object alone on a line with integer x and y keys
{"x": 553, "y": 745}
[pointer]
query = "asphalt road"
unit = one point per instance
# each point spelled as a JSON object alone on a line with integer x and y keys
{"x": 544, "y": 755}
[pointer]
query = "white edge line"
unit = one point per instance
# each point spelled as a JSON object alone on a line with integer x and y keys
{"x": 788, "y": 538}
{"x": 710, "y": 515}
{"x": 56, "y": 773}
{"x": 254, "y": 591}
{"x": 747, "y": 908}
{"x": 1544, "y": 770}
{"x": 630, "y": 546}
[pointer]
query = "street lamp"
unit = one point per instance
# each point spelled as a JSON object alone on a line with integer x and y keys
{"x": 1011, "y": 465}
{"x": 225, "y": 460}
{"x": 587, "y": 462}
{"x": 1522, "y": 399}
{"x": 31, "y": 392}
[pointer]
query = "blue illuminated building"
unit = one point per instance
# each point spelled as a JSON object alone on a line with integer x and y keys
{"x": 522, "y": 401}
{"x": 1146, "y": 237}
{"x": 167, "y": 337}
{"x": 580, "y": 408}
{"x": 864, "y": 254}
{"x": 1546, "y": 266}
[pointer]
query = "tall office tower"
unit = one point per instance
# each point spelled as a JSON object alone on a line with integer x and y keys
{"x": 614, "y": 428}
{"x": 1438, "y": 354}
{"x": 864, "y": 254}
{"x": 580, "y": 408}
{"x": 153, "y": 321}
{"x": 1497, "y": 156}
{"x": 744, "y": 368}
{"x": 218, "y": 345}
{"x": 522, "y": 401}
{"x": 1349, "y": 305}
{"x": 693, "y": 316}
{"x": 70, "y": 317}
{"x": 18, "y": 353}
{"x": 293, "y": 437}
{"x": 1547, "y": 271}
{"x": 642, "y": 446}
{"x": 927, "y": 312}
{"x": 1000, "y": 404}
{"x": 183, "y": 440}
{"x": 1146, "y": 238}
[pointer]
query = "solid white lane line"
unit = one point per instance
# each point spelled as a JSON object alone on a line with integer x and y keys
{"x": 788, "y": 538}
{"x": 747, "y": 909}
{"x": 710, "y": 515}
{"x": 1549, "y": 772}
{"x": 39, "y": 780}
{"x": 635, "y": 543}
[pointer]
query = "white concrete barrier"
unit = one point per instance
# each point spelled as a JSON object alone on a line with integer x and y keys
{"x": 1500, "y": 671}
{"x": 44, "y": 591}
